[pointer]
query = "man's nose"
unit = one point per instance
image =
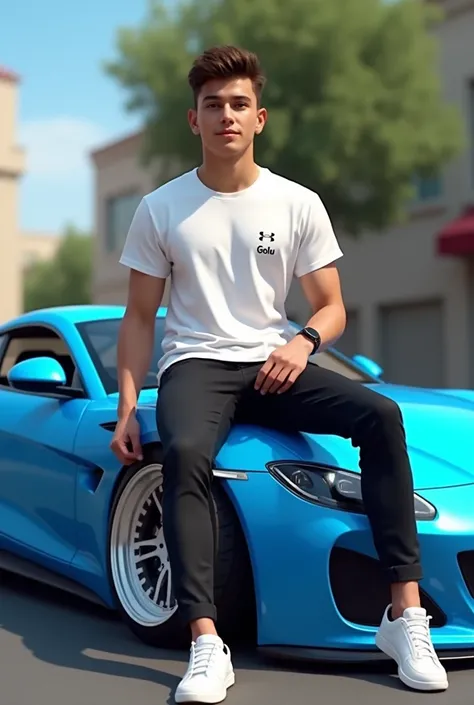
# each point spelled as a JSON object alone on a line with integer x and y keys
{"x": 227, "y": 114}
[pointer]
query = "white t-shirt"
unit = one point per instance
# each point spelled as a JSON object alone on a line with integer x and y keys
{"x": 232, "y": 258}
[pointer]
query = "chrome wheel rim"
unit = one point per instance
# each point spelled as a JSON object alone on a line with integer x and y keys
{"x": 139, "y": 558}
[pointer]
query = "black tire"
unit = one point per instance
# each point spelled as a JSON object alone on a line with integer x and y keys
{"x": 233, "y": 588}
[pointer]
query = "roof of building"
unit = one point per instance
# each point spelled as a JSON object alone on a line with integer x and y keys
{"x": 116, "y": 143}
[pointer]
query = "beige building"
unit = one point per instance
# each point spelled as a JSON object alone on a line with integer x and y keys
{"x": 37, "y": 247}
{"x": 12, "y": 165}
{"x": 120, "y": 183}
{"x": 409, "y": 291}
{"x": 18, "y": 249}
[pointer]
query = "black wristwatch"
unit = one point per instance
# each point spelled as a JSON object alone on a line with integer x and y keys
{"x": 312, "y": 335}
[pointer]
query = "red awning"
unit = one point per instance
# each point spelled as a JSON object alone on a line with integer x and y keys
{"x": 457, "y": 237}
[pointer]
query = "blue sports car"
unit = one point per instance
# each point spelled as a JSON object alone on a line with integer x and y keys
{"x": 296, "y": 566}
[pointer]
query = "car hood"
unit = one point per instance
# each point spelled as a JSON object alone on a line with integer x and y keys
{"x": 439, "y": 428}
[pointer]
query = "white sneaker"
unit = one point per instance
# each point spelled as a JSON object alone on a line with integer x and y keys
{"x": 209, "y": 673}
{"x": 408, "y": 641}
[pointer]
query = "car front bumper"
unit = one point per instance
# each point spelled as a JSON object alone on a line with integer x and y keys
{"x": 320, "y": 592}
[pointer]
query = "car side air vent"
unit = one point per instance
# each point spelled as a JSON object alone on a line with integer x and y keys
{"x": 109, "y": 425}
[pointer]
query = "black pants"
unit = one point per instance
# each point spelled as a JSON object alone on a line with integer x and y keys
{"x": 198, "y": 402}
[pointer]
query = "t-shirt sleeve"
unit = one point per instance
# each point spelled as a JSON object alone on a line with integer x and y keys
{"x": 318, "y": 243}
{"x": 143, "y": 250}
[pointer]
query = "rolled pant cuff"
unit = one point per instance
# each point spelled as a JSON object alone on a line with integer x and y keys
{"x": 189, "y": 613}
{"x": 405, "y": 573}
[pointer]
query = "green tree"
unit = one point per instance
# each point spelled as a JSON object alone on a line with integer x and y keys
{"x": 355, "y": 104}
{"x": 65, "y": 279}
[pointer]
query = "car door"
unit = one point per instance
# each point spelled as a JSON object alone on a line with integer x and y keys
{"x": 37, "y": 464}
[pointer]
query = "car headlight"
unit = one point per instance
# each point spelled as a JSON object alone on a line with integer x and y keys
{"x": 331, "y": 487}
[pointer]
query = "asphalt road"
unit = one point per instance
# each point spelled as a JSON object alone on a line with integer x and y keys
{"x": 58, "y": 650}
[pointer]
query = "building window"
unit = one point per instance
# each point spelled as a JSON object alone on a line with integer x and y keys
{"x": 119, "y": 213}
{"x": 427, "y": 188}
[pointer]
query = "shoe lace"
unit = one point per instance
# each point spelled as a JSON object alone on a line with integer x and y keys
{"x": 419, "y": 630}
{"x": 203, "y": 658}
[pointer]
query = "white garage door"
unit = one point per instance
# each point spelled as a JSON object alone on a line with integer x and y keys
{"x": 412, "y": 344}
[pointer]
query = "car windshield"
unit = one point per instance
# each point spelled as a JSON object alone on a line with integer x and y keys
{"x": 101, "y": 339}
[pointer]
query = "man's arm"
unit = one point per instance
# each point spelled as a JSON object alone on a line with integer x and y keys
{"x": 144, "y": 255}
{"x": 135, "y": 348}
{"x": 322, "y": 289}
{"x": 136, "y": 337}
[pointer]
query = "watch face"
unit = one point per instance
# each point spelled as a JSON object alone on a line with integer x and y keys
{"x": 314, "y": 336}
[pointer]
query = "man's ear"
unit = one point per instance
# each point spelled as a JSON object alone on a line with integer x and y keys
{"x": 192, "y": 120}
{"x": 262, "y": 116}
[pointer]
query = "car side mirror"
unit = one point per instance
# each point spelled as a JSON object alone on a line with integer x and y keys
{"x": 369, "y": 366}
{"x": 39, "y": 374}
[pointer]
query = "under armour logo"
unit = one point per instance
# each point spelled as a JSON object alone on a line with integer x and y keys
{"x": 269, "y": 236}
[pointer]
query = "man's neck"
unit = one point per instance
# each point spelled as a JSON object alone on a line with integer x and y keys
{"x": 228, "y": 176}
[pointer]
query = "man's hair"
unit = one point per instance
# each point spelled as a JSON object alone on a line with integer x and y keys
{"x": 226, "y": 62}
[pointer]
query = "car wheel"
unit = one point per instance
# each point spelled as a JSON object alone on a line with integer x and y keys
{"x": 139, "y": 566}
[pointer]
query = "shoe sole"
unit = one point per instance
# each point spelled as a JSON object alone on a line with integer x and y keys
{"x": 211, "y": 699}
{"x": 386, "y": 647}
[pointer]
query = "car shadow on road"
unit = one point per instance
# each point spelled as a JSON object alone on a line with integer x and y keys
{"x": 66, "y": 631}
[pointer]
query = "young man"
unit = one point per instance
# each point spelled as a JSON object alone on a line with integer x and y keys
{"x": 232, "y": 235}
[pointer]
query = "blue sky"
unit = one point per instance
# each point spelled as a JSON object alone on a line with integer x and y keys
{"x": 67, "y": 104}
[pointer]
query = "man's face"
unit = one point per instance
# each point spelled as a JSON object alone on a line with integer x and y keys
{"x": 227, "y": 117}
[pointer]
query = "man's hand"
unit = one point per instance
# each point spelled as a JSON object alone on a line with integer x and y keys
{"x": 284, "y": 366}
{"x": 126, "y": 436}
